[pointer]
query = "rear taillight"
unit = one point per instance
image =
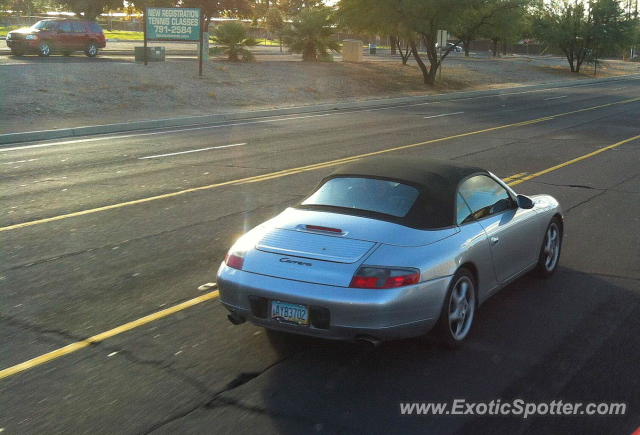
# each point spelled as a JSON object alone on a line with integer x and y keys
{"x": 384, "y": 277}
{"x": 234, "y": 261}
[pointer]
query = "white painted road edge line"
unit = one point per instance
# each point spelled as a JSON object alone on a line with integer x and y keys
{"x": 19, "y": 161}
{"x": 555, "y": 98}
{"x": 193, "y": 151}
{"x": 180, "y": 130}
{"x": 444, "y": 114}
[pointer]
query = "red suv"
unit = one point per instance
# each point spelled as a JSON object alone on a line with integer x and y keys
{"x": 64, "y": 36}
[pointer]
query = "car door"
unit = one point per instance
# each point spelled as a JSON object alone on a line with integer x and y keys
{"x": 65, "y": 38}
{"x": 509, "y": 229}
{"x": 80, "y": 35}
{"x": 476, "y": 248}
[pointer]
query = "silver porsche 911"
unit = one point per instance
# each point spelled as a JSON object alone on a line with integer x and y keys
{"x": 389, "y": 248}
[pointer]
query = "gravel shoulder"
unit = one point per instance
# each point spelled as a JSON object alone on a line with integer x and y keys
{"x": 59, "y": 92}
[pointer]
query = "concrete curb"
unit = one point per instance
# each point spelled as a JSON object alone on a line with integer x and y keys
{"x": 194, "y": 121}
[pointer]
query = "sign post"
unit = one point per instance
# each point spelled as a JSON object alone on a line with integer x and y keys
{"x": 174, "y": 24}
{"x": 145, "y": 39}
{"x": 443, "y": 38}
{"x": 201, "y": 45}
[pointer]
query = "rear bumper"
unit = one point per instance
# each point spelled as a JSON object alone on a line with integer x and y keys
{"x": 335, "y": 312}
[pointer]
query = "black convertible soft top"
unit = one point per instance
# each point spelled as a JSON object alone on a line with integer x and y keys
{"x": 436, "y": 180}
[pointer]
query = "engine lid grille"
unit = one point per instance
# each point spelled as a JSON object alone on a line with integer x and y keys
{"x": 317, "y": 246}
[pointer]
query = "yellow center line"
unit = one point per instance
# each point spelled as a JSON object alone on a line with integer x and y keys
{"x": 571, "y": 162}
{"x": 515, "y": 176}
{"x": 301, "y": 169}
{"x": 73, "y": 347}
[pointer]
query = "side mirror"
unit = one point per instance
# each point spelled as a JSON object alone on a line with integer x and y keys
{"x": 525, "y": 202}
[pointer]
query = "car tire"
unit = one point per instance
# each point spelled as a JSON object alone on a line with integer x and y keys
{"x": 91, "y": 50}
{"x": 458, "y": 309}
{"x": 549, "y": 256}
{"x": 44, "y": 50}
{"x": 16, "y": 52}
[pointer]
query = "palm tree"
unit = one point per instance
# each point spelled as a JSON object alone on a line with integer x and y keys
{"x": 310, "y": 34}
{"x": 232, "y": 36}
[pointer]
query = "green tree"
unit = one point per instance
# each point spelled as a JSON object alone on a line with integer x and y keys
{"x": 140, "y": 5}
{"x": 420, "y": 17}
{"x": 506, "y": 26}
{"x": 375, "y": 23}
{"x": 274, "y": 22}
{"x": 233, "y": 38}
{"x": 221, "y": 8}
{"x": 562, "y": 25}
{"x": 260, "y": 8}
{"x": 90, "y": 9}
{"x": 311, "y": 34}
{"x": 494, "y": 17}
{"x": 611, "y": 29}
{"x": 404, "y": 41}
{"x": 581, "y": 31}
{"x": 27, "y": 7}
{"x": 470, "y": 23}
{"x": 291, "y": 8}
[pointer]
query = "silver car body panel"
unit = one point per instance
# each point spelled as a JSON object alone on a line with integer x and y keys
{"x": 385, "y": 314}
{"x": 360, "y": 228}
{"x": 313, "y": 245}
{"x": 285, "y": 262}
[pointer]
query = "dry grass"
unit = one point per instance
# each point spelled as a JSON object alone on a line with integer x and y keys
{"x": 605, "y": 69}
{"x": 174, "y": 88}
{"x": 148, "y": 87}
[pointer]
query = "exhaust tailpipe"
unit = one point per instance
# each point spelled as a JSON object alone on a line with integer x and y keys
{"x": 236, "y": 319}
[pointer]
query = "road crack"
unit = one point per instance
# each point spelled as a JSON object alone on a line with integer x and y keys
{"x": 215, "y": 397}
{"x": 39, "y": 330}
{"x": 600, "y": 193}
{"x": 583, "y": 186}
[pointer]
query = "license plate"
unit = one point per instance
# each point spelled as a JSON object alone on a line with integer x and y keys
{"x": 290, "y": 313}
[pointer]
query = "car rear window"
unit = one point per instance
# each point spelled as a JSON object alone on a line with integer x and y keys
{"x": 368, "y": 194}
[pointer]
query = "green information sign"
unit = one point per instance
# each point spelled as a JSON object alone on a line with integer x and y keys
{"x": 173, "y": 24}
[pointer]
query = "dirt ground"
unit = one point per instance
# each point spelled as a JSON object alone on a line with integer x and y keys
{"x": 58, "y": 92}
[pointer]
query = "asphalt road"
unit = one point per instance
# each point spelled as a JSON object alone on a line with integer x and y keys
{"x": 101, "y": 231}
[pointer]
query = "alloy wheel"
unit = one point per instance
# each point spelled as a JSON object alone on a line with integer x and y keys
{"x": 551, "y": 249}
{"x": 92, "y": 50}
{"x": 45, "y": 49}
{"x": 461, "y": 308}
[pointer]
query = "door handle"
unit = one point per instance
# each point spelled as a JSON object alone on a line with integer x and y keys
{"x": 494, "y": 240}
